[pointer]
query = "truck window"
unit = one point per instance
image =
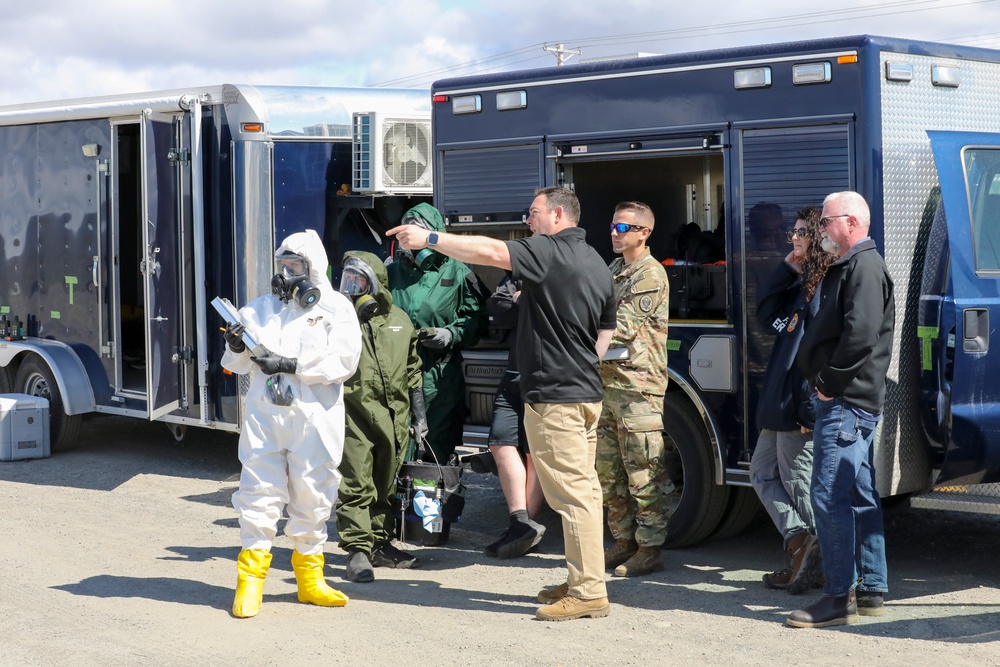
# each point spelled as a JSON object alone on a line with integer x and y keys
{"x": 982, "y": 177}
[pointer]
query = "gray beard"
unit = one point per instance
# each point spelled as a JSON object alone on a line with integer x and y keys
{"x": 828, "y": 245}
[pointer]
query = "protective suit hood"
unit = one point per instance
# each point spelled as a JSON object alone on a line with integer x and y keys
{"x": 427, "y": 213}
{"x": 384, "y": 296}
{"x": 310, "y": 246}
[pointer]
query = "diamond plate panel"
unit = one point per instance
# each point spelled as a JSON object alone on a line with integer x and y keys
{"x": 910, "y": 196}
{"x": 977, "y": 498}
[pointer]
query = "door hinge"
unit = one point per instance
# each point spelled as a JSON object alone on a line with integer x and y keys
{"x": 184, "y": 355}
{"x": 182, "y": 155}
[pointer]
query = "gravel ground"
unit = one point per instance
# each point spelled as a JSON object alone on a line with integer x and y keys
{"x": 123, "y": 551}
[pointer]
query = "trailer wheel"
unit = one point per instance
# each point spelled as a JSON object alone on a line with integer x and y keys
{"x": 741, "y": 510}
{"x": 699, "y": 502}
{"x": 35, "y": 379}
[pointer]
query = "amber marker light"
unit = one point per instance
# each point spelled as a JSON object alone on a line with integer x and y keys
{"x": 847, "y": 60}
{"x": 253, "y": 127}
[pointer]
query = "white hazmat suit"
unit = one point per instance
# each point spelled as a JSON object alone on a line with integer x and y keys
{"x": 290, "y": 453}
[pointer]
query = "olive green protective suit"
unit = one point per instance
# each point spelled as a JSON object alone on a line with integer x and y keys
{"x": 377, "y": 404}
{"x": 448, "y": 296}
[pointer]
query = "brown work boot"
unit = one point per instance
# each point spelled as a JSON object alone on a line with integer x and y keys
{"x": 568, "y": 607}
{"x": 778, "y": 579}
{"x": 619, "y": 552}
{"x": 806, "y": 564}
{"x": 644, "y": 561}
{"x": 550, "y": 595}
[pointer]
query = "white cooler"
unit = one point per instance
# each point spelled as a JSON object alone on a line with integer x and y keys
{"x": 24, "y": 427}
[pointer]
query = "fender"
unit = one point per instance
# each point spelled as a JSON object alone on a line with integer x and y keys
{"x": 709, "y": 420}
{"x": 67, "y": 369}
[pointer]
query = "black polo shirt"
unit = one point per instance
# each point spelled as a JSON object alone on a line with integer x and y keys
{"x": 567, "y": 295}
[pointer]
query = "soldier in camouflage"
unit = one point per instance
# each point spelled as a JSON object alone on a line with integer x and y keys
{"x": 630, "y": 451}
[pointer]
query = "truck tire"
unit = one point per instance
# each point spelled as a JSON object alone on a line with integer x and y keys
{"x": 6, "y": 380}
{"x": 35, "y": 379}
{"x": 741, "y": 510}
{"x": 702, "y": 502}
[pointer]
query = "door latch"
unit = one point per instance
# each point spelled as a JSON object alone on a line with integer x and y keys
{"x": 976, "y": 330}
{"x": 150, "y": 264}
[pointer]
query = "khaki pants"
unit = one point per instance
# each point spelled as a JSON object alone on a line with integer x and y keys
{"x": 562, "y": 438}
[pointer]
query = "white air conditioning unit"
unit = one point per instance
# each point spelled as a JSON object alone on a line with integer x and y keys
{"x": 391, "y": 154}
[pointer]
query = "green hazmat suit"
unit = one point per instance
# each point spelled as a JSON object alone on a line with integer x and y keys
{"x": 447, "y": 295}
{"x": 377, "y": 407}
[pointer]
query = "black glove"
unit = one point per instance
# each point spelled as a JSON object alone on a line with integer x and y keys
{"x": 272, "y": 363}
{"x": 418, "y": 415}
{"x": 434, "y": 338}
{"x": 234, "y": 337}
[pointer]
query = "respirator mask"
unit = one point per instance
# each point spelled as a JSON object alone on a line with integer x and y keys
{"x": 291, "y": 282}
{"x": 358, "y": 282}
{"x": 426, "y": 258}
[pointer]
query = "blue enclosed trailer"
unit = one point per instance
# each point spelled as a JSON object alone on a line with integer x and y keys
{"x": 725, "y": 146}
{"x": 121, "y": 218}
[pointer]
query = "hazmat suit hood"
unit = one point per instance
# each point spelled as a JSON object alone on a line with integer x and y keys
{"x": 428, "y": 214}
{"x": 384, "y": 296}
{"x": 308, "y": 245}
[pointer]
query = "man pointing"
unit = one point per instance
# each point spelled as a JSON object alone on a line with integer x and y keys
{"x": 566, "y": 320}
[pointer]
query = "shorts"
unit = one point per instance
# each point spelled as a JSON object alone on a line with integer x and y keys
{"x": 508, "y": 414}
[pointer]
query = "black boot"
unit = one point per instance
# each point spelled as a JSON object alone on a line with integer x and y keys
{"x": 825, "y": 612}
{"x": 870, "y": 603}
{"x": 359, "y": 568}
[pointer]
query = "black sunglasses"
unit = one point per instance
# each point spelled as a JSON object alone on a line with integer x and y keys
{"x": 802, "y": 233}
{"x": 623, "y": 228}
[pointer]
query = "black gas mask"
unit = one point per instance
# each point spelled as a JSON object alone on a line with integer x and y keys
{"x": 425, "y": 259}
{"x": 291, "y": 282}
{"x": 358, "y": 282}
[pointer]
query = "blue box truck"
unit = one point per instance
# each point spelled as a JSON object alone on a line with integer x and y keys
{"x": 728, "y": 144}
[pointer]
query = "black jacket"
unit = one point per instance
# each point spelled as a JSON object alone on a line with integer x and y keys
{"x": 846, "y": 348}
{"x": 784, "y": 403}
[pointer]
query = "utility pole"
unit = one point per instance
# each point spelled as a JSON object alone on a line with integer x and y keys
{"x": 561, "y": 54}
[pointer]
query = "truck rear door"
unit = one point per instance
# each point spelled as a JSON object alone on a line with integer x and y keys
{"x": 960, "y": 309}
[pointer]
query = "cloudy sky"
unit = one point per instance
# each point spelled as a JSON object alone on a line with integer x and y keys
{"x": 54, "y": 49}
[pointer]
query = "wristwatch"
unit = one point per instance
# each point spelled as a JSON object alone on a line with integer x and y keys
{"x": 432, "y": 239}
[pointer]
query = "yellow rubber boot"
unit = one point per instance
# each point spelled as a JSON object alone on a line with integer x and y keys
{"x": 313, "y": 588}
{"x": 252, "y": 566}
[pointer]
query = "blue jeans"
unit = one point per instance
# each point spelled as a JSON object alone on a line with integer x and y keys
{"x": 846, "y": 505}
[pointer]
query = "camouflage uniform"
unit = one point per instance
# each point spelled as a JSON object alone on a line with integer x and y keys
{"x": 630, "y": 450}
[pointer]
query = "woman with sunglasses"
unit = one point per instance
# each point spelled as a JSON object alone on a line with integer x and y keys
{"x": 781, "y": 467}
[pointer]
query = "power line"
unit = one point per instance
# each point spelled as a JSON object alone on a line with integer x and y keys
{"x": 750, "y": 25}
{"x": 617, "y": 39}
{"x": 727, "y": 29}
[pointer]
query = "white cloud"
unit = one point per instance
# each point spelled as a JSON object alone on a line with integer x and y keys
{"x": 52, "y": 49}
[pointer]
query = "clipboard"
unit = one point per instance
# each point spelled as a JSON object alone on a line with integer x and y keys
{"x": 232, "y": 316}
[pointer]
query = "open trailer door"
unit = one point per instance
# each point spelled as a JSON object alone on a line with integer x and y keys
{"x": 164, "y": 159}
